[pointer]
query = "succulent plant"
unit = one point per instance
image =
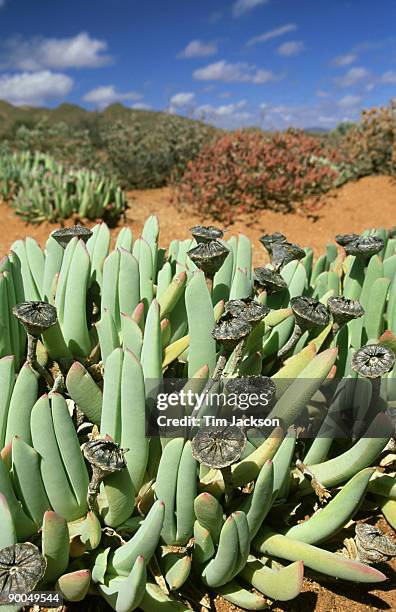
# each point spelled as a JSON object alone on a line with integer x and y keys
{"x": 125, "y": 324}
{"x": 40, "y": 188}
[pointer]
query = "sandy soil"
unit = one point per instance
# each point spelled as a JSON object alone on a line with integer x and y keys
{"x": 370, "y": 202}
{"x": 367, "y": 203}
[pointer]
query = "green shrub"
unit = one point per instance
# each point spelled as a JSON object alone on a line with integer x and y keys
{"x": 144, "y": 157}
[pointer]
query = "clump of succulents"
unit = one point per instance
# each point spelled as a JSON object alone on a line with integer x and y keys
{"x": 90, "y": 338}
{"x": 39, "y": 188}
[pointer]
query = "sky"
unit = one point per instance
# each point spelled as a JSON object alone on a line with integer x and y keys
{"x": 268, "y": 63}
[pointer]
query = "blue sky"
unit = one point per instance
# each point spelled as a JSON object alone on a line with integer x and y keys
{"x": 272, "y": 63}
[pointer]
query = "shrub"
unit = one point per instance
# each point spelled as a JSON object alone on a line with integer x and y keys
{"x": 143, "y": 157}
{"x": 244, "y": 171}
{"x": 370, "y": 146}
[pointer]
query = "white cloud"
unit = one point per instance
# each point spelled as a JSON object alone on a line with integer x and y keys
{"x": 198, "y": 48}
{"x": 108, "y": 94}
{"x": 34, "y": 88}
{"x": 389, "y": 77}
{"x": 349, "y": 101}
{"x": 141, "y": 106}
{"x": 326, "y": 115}
{"x": 321, "y": 93}
{"x": 261, "y": 38}
{"x": 353, "y": 76}
{"x": 182, "y": 98}
{"x": 229, "y": 73}
{"x": 80, "y": 51}
{"x": 293, "y": 47}
{"x": 243, "y": 6}
{"x": 345, "y": 60}
{"x": 227, "y": 115}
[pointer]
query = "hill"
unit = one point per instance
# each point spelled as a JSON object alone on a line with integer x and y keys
{"x": 13, "y": 117}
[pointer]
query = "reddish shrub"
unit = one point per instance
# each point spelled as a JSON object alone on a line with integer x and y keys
{"x": 243, "y": 171}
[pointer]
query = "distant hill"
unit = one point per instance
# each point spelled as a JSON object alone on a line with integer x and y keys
{"x": 12, "y": 117}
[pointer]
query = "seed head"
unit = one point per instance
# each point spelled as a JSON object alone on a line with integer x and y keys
{"x": 204, "y": 234}
{"x": 373, "y": 360}
{"x": 269, "y": 239}
{"x": 36, "y": 317}
{"x": 344, "y": 239}
{"x": 218, "y": 447}
{"x": 229, "y": 331}
{"x": 66, "y": 234}
{"x": 209, "y": 256}
{"x": 247, "y": 309}
{"x": 364, "y": 246}
{"x": 22, "y": 566}
{"x": 269, "y": 280}
{"x": 105, "y": 454}
{"x": 284, "y": 252}
{"x": 344, "y": 310}
{"x": 309, "y": 313}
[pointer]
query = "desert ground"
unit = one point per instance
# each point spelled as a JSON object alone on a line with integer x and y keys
{"x": 369, "y": 202}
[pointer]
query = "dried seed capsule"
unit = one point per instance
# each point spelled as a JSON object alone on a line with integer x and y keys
{"x": 372, "y": 545}
{"x": 284, "y": 252}
{"x": 269, "y": 239}
{"x": 105, "y": 454}
{"x": 262, "y": 386}
{"x": 64, "y": 235}
{"x": 204, "y": 234}
{"x": 309, "y": 313}
{"x": 344, "y": 310}
{"x": 105, "y": 457}
{"x": 373, "y": 360}
{"x": 22, "y": 566}
{"x": 344, "y": 239}
{"x": 230, "y": 330}
{"x": 269, "y": 280}
{"x": 218, "y": 447}
{"x": 209, "y": 256}
{"x": 36, "y": 317}
{"x": 247, "y": 309}
{"x": 364, "y": 246}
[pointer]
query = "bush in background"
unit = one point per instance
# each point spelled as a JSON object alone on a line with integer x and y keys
{"x": 244, "y": 171}
{"x": 370, "y": 146}
{"x": 143, "y": 158}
